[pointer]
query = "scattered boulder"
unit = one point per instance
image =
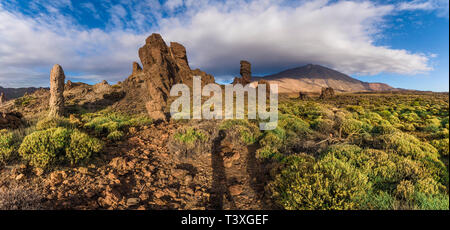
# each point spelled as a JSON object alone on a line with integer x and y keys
{"x": 56, "y": 104}
{"x": 246, "y": 74}
{"x": 327, "y": 93}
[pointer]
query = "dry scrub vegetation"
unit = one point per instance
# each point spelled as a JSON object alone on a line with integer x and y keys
{"x": 352, "y": 151}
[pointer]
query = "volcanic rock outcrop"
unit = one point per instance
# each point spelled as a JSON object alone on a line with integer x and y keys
{"x": 136, "y": 68}
{"x": 2, "y": 98}
{"x": 327, "y": 93}
{"x": 246, "y": 74}
{"x": 56, "y": 103}
{"x": 302, "y": 96}
{"x": 148, "y": 88}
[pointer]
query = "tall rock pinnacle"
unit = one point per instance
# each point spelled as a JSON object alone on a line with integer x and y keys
{"x": 2, "y": 98}
{"x": 162, "y": 67}
{"x": 56, "y": 103}
{"x": 246, "y": 74}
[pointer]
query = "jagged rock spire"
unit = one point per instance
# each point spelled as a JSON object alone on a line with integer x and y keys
{"x": 56, "y": 104}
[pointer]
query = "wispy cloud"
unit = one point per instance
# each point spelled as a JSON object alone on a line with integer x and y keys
{"x": 441, "y": 7}
{"x": 271, "y": 34}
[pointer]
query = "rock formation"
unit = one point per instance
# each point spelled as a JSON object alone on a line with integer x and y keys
{"x": 302, "y": 96}
{"x": 136, "y": 68}
{"x": 246, "y": 74}
{"x": 11, "y": 120}
{"x": 56, "y": 104}
{"x": 162, "y": 67}
{"x": 2, "y": 98}
{"x": 69, "y": 85}
{"x": 327, "y": 93}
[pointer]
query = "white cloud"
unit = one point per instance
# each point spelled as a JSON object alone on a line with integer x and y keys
{"x": 441, "y": 7}
{"x": 338, "y": 35}
{"x": 416, "y": 5}
{"x": 173, "y": 4}
{"x": 271, "y": 34}
{"x": 32, "y": 46}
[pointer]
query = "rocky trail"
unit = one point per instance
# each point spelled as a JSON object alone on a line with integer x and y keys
{"x": 142, "y": 173}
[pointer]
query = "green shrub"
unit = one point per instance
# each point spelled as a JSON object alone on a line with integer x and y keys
{"x": 408, "y": 145}
{"x": 354, "y": 127}
{"x": 432, "y": 125}
{"x": 48, "y": 123}
{"x": 327, "y": 184}
{"x": 270, "y": 142}
{"x": 81, "y": 147}
{"x": 115, "y": 135}
{"x": 294, "y": 126}
{"x": 24, "y": 101}
{"x": 431, "y": 202}
{"x": 55, "y": 146}
{"x": 378, "y": 201}
{"x": 9, "y": 143}
{"x": 442, "y": 146}
{"x": 355, "y": 109}
{"x": 249, "y": 132}
{"x": 109, "y": 124}
{"x": 45, "y": 148}
{"x": 383, "y": 129}
{"x": 323, "y": 125}
{"x": 190, "y": 135}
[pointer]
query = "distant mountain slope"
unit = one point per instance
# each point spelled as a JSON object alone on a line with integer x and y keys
{"x": 11, "y": 93}
{"x": 311, "y": 78}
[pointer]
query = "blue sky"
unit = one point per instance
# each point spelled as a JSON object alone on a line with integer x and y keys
{"x": 402, "y": 43}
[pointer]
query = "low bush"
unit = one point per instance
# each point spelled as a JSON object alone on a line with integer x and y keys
{"x": 81, "y": 147}
{"x": 48, "y": 123}
{"x": 326, "y": 184}
{"x": 56, "y": 146}
{"x": 24, "y": 101}
{"x": 190, "y": 136}
{"x": 249, "y": 132}
{"x": 112, "y": 125}
{"x": 9, "y": 143}
{"x": 45, "y": 148}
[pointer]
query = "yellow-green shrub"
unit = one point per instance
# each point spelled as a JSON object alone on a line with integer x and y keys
{"x": 111, "y": 125}
{"x": 54, "y": 146}
{"x": 327, "y": 184}
{"x": 45, "y": 148}
{"x": 9, "y": 144}
{"x": 48, "y": 123}
{"x": 249, "y": 132}
{"x": 81, "y": 147}
{"x": 190, "y": 136}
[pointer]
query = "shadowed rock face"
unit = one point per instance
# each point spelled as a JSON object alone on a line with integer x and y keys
{"x": 327, "y": 93}
{"x": 162, "y": 67}
{"x": 56, "y": 104}
{"x": 12, "y": 120}
{"x": 136, "y": 68}
{"x": 246, "y": 71}
{"x": 246, "y": 74}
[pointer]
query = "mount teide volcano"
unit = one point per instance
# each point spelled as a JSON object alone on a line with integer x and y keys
{"x": 311, "y": 78}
